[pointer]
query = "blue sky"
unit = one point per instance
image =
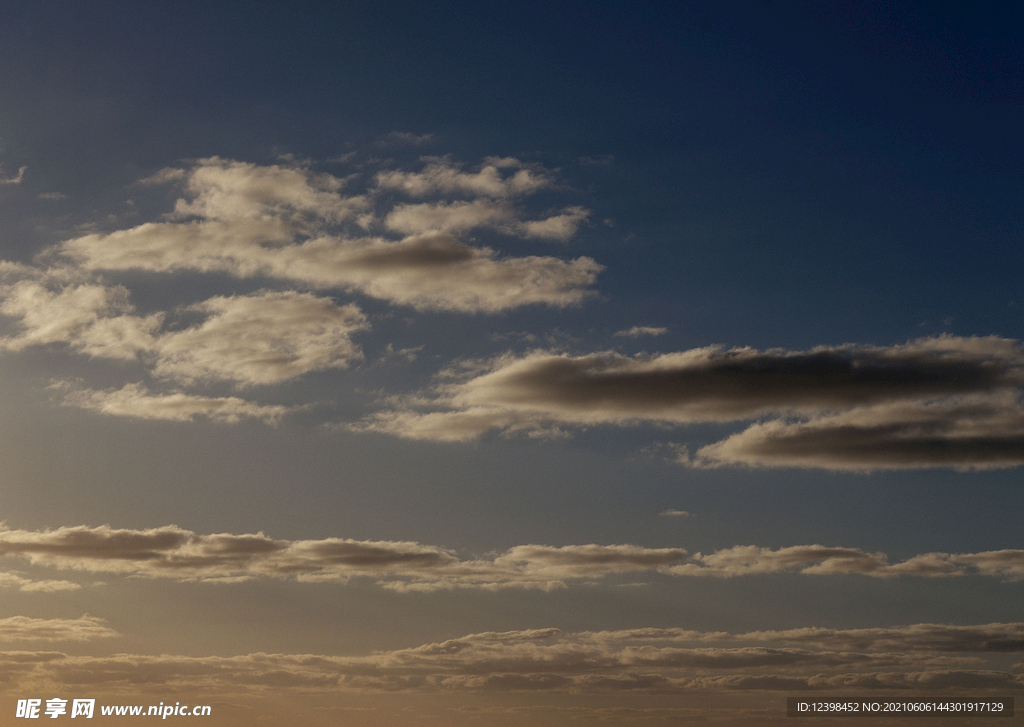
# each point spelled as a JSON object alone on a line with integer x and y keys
{"x": 359, "y": 334}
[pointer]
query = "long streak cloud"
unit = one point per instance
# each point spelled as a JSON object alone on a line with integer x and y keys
{"x": 944, "y": 401}
{"x": 174, "y": 553}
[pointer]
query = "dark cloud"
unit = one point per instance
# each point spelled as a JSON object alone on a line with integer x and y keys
{"x": 935, "y": 402}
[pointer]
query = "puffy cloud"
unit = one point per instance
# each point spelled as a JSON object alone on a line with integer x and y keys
{"x": 944, "y": 401}
{"x": 290, "y": 224}
{"x": 226, "y": 190}
{"x": 96, "y": 320}
{"x": 171, "y": 552}
{"x": 252, "y": 339}
{"x": 134, "y": 400}
{"x": 261, "y": 339}
{"x": 23, "y": 628}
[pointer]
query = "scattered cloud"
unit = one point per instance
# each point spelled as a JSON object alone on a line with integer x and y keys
{"x": 674, "y": 513}
{"x": 52, "y": 195}
{"x": 637, "y": 331}
{"x": 178, "y": 554}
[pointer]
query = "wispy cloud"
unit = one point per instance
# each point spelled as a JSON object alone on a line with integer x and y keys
{"x": 405, "y": 137}
{"x": 29, "y": 585}
{"x": 23, "y": 628}
{"x": 174, "y": 553}
{"x": 550, "y": 660}
{"x": 16, "y": 179}
{"x": 135, "y": 401}
{"x": 637, "y": 331}
{"x": 497, "y": 178}
{"x": 994, "y": 638}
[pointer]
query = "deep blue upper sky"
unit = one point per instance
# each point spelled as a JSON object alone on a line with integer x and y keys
{"x": 783, "y": 173}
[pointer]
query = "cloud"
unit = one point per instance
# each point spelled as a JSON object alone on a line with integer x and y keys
{"x": 995, "y": 638}
{"x": 261, "y": 339}
{"x": 637, "y": 331}
{"x": 935, "y": 402}
{"x": 461, "y": 216}
{"x": 96, "y": 320}
{"x": 29, "y": 585}
{"x": 434, "y": 271}
{"x": 23, "y": 628}
{"x": 226, "y": 190}
{"x": 15, "y": 179}
{"x": 134, "y": 400}
{"x": 497, "y": 178}
{"x": 674, "y": 513}
{"x": 973, "y": 432}
{"x": 254, "y": 339}
{"x": 288, "y": 223}
{"x": 178, "y": 554}
{"x": 528, "y": 660}
{"x": 405, "y": 137}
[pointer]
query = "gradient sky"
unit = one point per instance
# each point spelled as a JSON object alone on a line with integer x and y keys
{"x": 385, "y": 363}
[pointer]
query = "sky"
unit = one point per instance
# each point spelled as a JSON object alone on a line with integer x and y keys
{"x": 391, "y": 363}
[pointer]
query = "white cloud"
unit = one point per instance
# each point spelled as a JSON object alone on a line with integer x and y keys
{"x": 433, "y": 271}
{"x": 96, "y": 320}
{"x": 261, "y": 339}
{"x": 226, "y": 190}
{"x": 288, "y": 223}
